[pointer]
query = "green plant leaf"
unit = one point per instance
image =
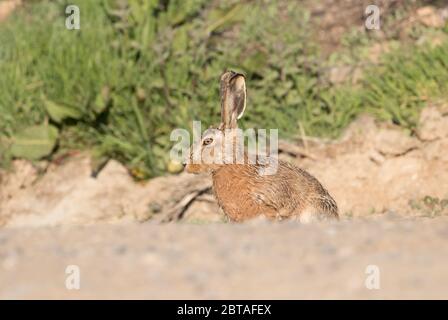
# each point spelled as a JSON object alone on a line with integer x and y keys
{"x": 35, "y": 142}
{"x": 101, "y": 100}
{"x": 180, "y": 40}
{"x": 58, "y": 112}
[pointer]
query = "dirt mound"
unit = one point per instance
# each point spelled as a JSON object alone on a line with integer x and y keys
{"x": 379, "y": 168}
{"x": 68, "y": 194}
{"x": 373, "y": 168}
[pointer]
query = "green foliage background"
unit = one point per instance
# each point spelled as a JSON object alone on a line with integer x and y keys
{"x": 138, "y": 69}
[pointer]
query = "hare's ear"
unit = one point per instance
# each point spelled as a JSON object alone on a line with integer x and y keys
{"x": 233, "y": 99}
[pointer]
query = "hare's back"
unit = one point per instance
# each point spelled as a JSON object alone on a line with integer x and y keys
{"x": 294, "y": 190}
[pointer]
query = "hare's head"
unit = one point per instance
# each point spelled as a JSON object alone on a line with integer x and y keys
{"x": 218, "y": 145}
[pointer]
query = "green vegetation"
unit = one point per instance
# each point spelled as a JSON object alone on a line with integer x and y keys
{"x": 430, "y": 206}
{"x": 133, "y": 73}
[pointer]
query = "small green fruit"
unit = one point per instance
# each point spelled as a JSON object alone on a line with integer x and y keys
{"x": 174, "y": 166}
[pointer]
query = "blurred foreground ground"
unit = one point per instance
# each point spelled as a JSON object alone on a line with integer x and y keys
{"x": 223, "y": 261}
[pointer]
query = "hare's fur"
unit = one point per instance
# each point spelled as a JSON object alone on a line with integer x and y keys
{"x": 242, "y": 191}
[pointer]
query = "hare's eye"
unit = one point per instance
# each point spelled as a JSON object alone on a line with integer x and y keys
{"x": 207, "y": 141}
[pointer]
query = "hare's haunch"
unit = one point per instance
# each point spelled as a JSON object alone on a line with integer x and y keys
{"x": 242, "y": 189}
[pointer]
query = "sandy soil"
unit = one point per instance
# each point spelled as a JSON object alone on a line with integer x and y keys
{"x": 249, "y": 261}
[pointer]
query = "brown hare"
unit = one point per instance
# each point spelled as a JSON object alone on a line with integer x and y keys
{"x": 241, "y": 190}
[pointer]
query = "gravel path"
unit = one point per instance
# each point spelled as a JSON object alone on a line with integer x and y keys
{"x": 254, "y": 260}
